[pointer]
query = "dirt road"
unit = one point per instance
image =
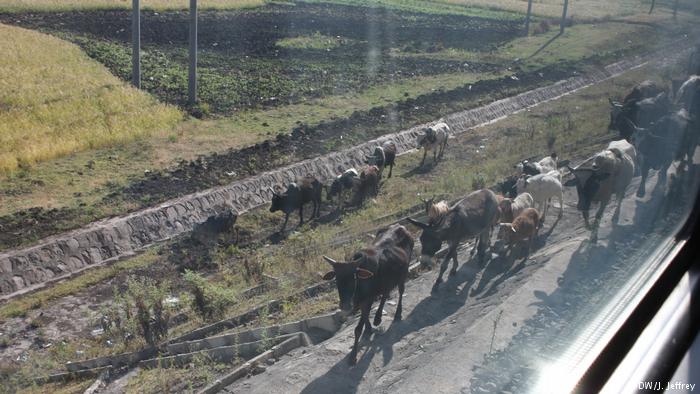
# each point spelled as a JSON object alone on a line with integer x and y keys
{"x": 484, "y": 324}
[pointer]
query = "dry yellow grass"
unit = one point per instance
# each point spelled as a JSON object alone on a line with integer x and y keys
{"x": 54, "y": 100}
{"x": 65, "y": 5}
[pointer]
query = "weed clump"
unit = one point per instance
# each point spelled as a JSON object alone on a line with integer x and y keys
{"x": 210, "y": 300}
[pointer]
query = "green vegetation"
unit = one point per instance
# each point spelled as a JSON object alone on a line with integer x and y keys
{"x": 75, "y": 104}
{"x": 209, "y": 300}
{"x": 316, "y": 41}
{"x": 18, "y": 307}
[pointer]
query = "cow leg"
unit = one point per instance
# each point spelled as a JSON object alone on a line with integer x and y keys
{"x": 425, "y": 153}
{"x": 443, "y": 266}
{"x": 399, "y": 307}
{"x": 286, "y": 219}
{"x": 364, "y": 318}
{"x": 301, "y": 215}
{"x": 642, "y": 183}
{"x": 391, "y": 168}
{"x": 561, "y": 204}
{"x": 616, "y": 215}
{"x": 476, "y": 246}
{"x": 435, "y": 151}
{"x": 483, "y": 245}
{"x": 380, "y": 309}
{"x": 544, "y": 211}
{"x": 455, "y": 263}
{"x": 596, "y": 222}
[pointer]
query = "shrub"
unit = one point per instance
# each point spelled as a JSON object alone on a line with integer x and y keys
{"x": 140, "y": 309}
{"x": 209, "y": 300}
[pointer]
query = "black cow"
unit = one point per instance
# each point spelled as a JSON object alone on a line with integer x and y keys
{"x": 342, "y": 183}
{"x": 373, "y": 271}
{"x": 383, "y": 156}
{"x": 664, "y": 141}
{"x": 308, "y": 190}
{"x": 473, "y": 216}
{"x": 641, "y": 112}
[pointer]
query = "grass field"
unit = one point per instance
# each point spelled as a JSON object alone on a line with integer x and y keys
{"x": 56, "y": 101}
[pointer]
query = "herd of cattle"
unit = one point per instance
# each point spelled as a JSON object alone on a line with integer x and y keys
{"x": 655, "y": 129}
{"x": 358, "y": 184}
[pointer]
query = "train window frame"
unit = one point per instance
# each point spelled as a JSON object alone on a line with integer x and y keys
{"x": 677, "y": 277}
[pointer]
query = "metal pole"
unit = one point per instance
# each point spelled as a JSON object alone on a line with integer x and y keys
{"x": 192, "y": 87}
{"x": 563, "y": 17}
{"x": 527, "y": 18}
{"x": 136, "y": 44}
{"x": 675, "y": 9}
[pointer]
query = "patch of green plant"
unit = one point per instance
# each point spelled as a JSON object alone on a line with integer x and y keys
{"x": 209, "y": 300}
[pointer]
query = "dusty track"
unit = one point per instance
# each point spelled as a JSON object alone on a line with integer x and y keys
{"x": 483, "y": 322}
{"x": 59, "y": 256}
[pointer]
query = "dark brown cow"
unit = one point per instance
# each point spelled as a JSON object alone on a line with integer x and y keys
{"x": 373, "y": 271}
{"x": 473, "y": 216}
{"x": 366, "y": 185}
{"x": 308, "y": 190}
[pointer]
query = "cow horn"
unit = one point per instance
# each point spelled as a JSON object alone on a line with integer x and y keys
{"x": 417, "y": 223}
{"x": 329, "y": 260}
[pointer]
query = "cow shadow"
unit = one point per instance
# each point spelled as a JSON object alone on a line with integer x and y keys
{"x": 503, "y": 265}
{"x": 452, "y": 295}
{"x": 421, "y": 170}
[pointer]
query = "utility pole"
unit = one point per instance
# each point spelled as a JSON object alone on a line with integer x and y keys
{"x": 675, "y": 9}
{"x": 563, "y": 17}
{"x": 192, "y": 87}
{"x": 136, "y": 44}
{"x": 527, "y": 18}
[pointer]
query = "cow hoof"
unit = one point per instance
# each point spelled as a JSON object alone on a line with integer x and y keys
{"x": 352, "y": 360}
{"x": 453, "y": 272}
{"x": 640, "y": 193}
{"x": 377, "y": 321}
{"x": 435, "y": 288}
{"x": 368, "y": 333}
{"x": 397, "y": 317}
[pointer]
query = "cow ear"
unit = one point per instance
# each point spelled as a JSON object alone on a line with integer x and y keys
{"x": 328, "y": 275}
{"x": 364, "y": 274}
